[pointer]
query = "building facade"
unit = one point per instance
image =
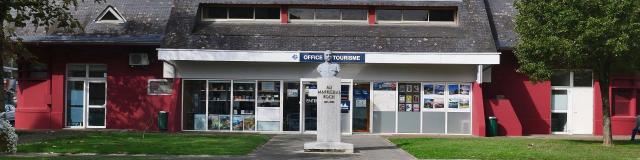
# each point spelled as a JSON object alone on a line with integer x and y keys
{"x": 408, "y": 67}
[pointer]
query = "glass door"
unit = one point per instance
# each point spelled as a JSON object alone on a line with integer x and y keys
{"x": 361, "y": 109}
{"x": 86, "y": 96}
{"x": 559, "y": 110}
{"x": 291, "y": 109}
{"x": 345, "y": 105}
{"x": 309, "y": 105}
{"x": 75, "y": 104}
{"x": 96, "y": 104}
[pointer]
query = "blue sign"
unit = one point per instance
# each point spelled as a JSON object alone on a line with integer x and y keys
{"x": 312, "y": 57}
{"x": 336, "y": 57}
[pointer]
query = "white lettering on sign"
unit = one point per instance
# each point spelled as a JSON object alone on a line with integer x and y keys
{"x": 347, "y": 58}
{"x": 313, "y": 57}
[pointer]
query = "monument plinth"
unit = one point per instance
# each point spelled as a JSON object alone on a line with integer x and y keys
{"x": 328, "y": 124}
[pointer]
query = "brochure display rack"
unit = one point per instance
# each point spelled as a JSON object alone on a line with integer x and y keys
{"x": 243, "y": 106}
{"x": 268, "y": 105}
{"x": 219, "y": 104}
{"x": 409, "y": 97}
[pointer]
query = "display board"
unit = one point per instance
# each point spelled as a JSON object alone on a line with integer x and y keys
{"x": 382, "y": 100}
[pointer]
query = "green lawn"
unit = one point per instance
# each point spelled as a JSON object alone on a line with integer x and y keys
{"x": 153, "y": 143}
{"x": 515, "y": 148}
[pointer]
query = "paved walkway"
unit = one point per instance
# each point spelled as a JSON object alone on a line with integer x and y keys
{"x": 366, "y": 147}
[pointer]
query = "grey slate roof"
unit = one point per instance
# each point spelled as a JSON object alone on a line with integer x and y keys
{"x": 471, "y": 34}
{"x": 146, "y": 23}
{"x": 503, "y": 13}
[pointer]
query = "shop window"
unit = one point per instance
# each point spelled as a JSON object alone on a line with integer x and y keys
{"x": 622, "y": 102}
{"x": 160, "y": 87}
{"x": 219, "y": 105}
{"x": 244, "y": 102}
{"x": 409, "y": 97}
{"x": 194, "y": 102}
{"x": 268, "y": 102}
{"x": 433, "y": 96}
{"x": 328, "y": 14}
{"x": 240, "y": 13}
{"x": 416, "y": 15}
{"x": 561, "y": 78}
{"x": 459, "y": 96}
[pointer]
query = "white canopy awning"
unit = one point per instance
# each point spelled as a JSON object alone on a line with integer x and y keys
{"x": 294, "y": 56}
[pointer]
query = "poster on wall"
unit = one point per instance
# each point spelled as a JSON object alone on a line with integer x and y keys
{"x": 384, "y": 86}
{"x": 292, "y": 93}
{"x": 434, "y": 96}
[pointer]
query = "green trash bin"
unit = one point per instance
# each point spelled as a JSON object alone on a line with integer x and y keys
{"x": 162, "y": 120}
{"x": 492, "y": 127}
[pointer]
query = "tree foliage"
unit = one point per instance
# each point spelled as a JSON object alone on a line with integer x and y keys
{"x": 576, "y": 34}
{"x": 600, "y": 35}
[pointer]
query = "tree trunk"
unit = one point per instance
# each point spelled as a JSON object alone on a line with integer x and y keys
{"x": 607, "y": 137}
{"x": 3, "y": 42}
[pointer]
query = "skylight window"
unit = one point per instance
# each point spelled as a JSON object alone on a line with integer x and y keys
{"x": 110, "y": 15}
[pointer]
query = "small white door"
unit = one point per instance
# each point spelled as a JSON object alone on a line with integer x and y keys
{"x": 581, "y": 112}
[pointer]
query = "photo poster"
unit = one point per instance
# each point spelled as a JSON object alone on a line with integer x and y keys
{"x": 344, "y": 106}
{"x": 292, "y": 93}
{"x": 384, "y": 86}
{"x": 249, "y": 123}
{"x": 225, "y": 122}
{"x": 268, "y": 86}
{"x": 215, "y": 122}
{"x": 439, "y": 89}
{"x": 433, "y": 96}
{"x": 361, "y": 103}
{"x": 238, "y": 122}
{"x": 312, "y": 91}
{"x": 454, "y": 89}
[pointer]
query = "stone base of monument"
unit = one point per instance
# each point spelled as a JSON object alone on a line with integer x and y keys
{"x": 328, "y": 147}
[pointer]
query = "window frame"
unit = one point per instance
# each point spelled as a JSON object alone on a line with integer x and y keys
{"x": 205, "y": 10}
{"x": 315, "y": 20}
{"x": 159, "y": 80}
{"x": 428, "y": 21}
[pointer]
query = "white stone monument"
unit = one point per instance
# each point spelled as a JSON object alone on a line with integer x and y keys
{"x": 328, "y": 125}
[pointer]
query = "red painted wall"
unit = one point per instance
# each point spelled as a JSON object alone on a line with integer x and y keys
{"x": 531, "y": 101}
{"x": 479, "y": 123}
{"x": 128, "y": 105}
{"x": 620, "y": 125}
{"x": 508, "y": 121}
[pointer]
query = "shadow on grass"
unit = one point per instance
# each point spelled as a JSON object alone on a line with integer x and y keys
{"x": 615, "y": 142}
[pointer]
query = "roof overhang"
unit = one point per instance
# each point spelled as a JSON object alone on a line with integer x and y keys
{"x": 295, "y": 56}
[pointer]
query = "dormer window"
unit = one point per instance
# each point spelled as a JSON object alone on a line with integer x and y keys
{"x": 230, "y": 13}
{"x": 110, "y": 15}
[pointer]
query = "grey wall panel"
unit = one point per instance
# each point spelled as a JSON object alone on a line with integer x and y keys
{"x": 408, "y": 122}
{"x": 294, "y": 71}
{"x": 433, "y": 122}
{"x": 384, "y": 122}
{"x": 459, "y": 123}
